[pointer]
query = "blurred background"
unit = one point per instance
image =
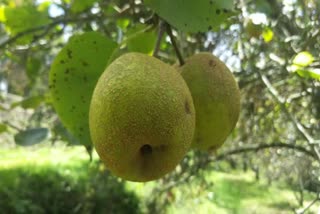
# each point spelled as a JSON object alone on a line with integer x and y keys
{"x": 269, "y": 164}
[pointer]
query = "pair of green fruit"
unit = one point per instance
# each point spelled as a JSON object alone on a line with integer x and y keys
{"x": 144, "y": 115}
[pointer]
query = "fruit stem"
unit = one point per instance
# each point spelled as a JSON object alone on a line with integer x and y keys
{"x": 174, "y": 44}
{"x": 161, "y": 31}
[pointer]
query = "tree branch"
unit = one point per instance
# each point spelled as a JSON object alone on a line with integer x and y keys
{"x": 282, "y": 102}
{"x": 174, "y": 44}
{"x": 161, "y": 30}
{"x": 303, "y": 210}
{"x": 255, "y": 148}
{"x": 46, "y": 28}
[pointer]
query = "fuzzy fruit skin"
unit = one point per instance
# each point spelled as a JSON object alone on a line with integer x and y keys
{"x": 216, "y": 98}
{"x": 141, "y": 118}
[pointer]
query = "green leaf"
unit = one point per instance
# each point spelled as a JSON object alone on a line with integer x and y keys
{"x": 65, "y": 135}
{"x": 309, "y": 73}
{"x": 2, "y": 14}
{"x": 22, "y": 18}
{"x": 141, "y": 40}
{"x": 193, "y": 16}
{"x": 263, "y": 6}
{"x": 30, "y": 102}
{"x": 3, "y": 128}
{"x": 267, "y": 35}
{"x": 123, "y": 23}
{"x": 79, "y": 6}
{"x": 303, "y": 59}
{"x": 73, "y": 76}
{"x": 33, "y": 68}
{"x": 31, "y": 136}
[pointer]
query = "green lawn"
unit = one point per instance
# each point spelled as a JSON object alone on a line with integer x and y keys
{"x": 65, "y": 172}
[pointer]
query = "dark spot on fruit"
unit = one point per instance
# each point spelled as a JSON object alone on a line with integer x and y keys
{"x": 207, "y": 19}
{"x": 51, "y": 86}
{"x": 69, "y": 53}
{"x": 67, "y": 71}
{"x": 58, "y": 99}
{"x": 62, "y": 61}
{"x": 146, "y": 150}
{"x": 95, "y": 42}
{"x": 218, "y": 11}
{"x": 210, "y": 27}
{"x": 225, "y": 10}
{"x": 55, "y": 74}
{"x": 211, "y": 63}
{"x": 185, "y": 24}
{"x": 85, "y": 79}
{"x": 81, "y": 129}
{"x": 187, "y": 107}
{"x": 211, "y": 2}
{"x": 73, "y": 107}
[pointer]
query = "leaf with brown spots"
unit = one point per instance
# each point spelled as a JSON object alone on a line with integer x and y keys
{"x": 82, "y": 60}
{"x": 193, "y": 16}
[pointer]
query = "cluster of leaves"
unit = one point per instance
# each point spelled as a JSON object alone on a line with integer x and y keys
{"x": 272, "y": 47}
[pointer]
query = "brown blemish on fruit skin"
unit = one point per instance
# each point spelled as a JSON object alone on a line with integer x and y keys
{"x": 146, "y": 150}
{"x": 187, "y": 107}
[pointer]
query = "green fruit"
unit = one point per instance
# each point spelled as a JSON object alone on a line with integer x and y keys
{"x": 216, "y": 99}
{"x": 141, "y": 117}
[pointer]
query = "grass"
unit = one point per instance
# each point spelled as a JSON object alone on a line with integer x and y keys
{"x": 60, "y": 181}
{"x": 34, "y": 179}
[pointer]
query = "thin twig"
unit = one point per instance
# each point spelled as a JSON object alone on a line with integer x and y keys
{"x": 302, "y": 211}
{"x": 226, "y": 154}
{"x": 262, "y": 147}
{"x": 282, "y": 102}
{"x": 174, "y": 44}
{"x": 161, "y": 30}
{"x": 46, "y": 28}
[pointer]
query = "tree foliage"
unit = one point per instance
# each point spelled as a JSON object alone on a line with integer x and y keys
{"x": 271, "y": 46}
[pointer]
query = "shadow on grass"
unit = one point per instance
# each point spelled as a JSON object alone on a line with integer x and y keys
{"x": 282, "y": 205}
{"x": 231, "y": 193}
{"x": 80, "y": 189}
